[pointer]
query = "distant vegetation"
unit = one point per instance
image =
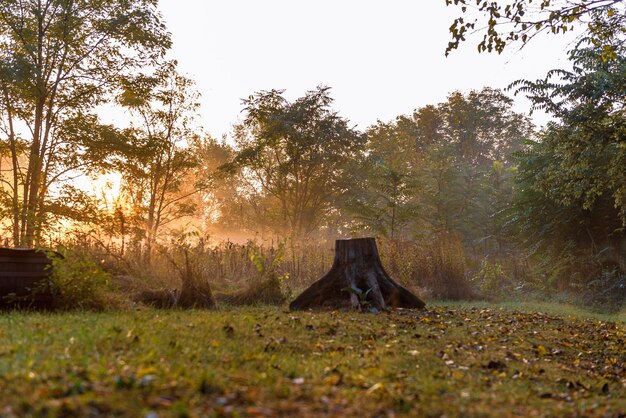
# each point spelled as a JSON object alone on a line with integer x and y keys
{"x": 468, "y": 199}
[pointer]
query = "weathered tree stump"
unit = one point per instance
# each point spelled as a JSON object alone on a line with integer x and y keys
{"x": 357, "y": 279}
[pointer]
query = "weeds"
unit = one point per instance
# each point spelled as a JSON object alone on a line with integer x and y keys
{"x": 266, "y": 287}
{"x": 269, "y": 272}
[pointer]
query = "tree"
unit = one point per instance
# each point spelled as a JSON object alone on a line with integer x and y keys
{"x": 217, "y": 199}
{"x": 482, "y": 127}
{"x": 156, "y": 161}
{"x": 59, "y": 59}
{"x": 446, "y": 169}
{"x": 519, "y": 21}
{"x": 571, "y": 188}
{"x": 293, "y": 155}
{"x": 473, "y": 168}
{"x": 383, "y": 197}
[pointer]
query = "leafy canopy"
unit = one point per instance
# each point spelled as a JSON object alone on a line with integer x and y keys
{"x": 571, "y": 188}
{"x": 293, "y": 154}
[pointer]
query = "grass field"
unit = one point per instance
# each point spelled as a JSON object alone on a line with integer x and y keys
{"x": 452, "y": 360}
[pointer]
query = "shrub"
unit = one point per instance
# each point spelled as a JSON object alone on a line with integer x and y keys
{"x": 491, "y": 279}
{"x": 607, "y": 292}
{"x": 267, "y": 286}
{"x": 77, "y": 281}
{"x": 161, "y": 298}
{"x": 185, "y": 254}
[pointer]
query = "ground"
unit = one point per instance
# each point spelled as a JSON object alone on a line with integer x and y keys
{"x": 451, "y": 360}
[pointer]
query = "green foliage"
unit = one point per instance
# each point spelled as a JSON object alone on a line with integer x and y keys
{"x": 268, "y": 287}
{"x": 266, "y": 291}
{"x": 445, "y": 170}
{"x": 365, "y": 305}
{"x": 269, "y": 265}
{"x": 60, "y": 60}
{"x": 292, "y": 158}
{"x": 156, "y": 160}
{"x": 607, "y": 291}
{"x": 382, "y": 197}
{"x": 570, "y": 205}
{"x": 78, "y": 281}
{"x": 491, "y": 280}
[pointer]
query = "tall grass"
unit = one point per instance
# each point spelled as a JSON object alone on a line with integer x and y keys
{"x": 439, "y": 268}
{"x": 236, "y": 272}
{"x": 436, "y": 267}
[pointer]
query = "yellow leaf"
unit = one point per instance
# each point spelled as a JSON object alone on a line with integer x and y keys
{"x": 145, "y": 371}
{"x": 374, "y": 388}
{"x": 332, "y": 380}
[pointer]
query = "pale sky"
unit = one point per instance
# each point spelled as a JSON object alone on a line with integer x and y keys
{"x": 381, "y": 58}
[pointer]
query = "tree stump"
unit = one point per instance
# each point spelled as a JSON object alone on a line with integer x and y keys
{"x": 357, "y": 279}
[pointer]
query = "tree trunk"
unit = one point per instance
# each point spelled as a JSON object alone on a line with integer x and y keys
{"x": 357, "y": 279}
{"x": 15, "y": 167}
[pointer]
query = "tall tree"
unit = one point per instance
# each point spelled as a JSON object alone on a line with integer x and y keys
{"x": 60, "y": 58}
{"x": 217, "y": 200}
{"x": 463, "y": 139}
{"x": 294, "y": 154}
{"x": 446, "y": 169}
{"x": 157, "y": 161}
{"x": 384, "y": 198}
{"x": 571, "y": 192}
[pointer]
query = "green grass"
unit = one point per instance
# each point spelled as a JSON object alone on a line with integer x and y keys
{"x": 561, "y": 309}
{"x": 454, "y": 360}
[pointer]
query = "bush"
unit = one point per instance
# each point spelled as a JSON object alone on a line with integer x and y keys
{"x": 77, "y": 281}
{"x": 161, "y": 298}
{"x": 267, "y": 287}
{"x": 185, "y": 254}
{"x": 491, "y": 280}
{"x": 608, "y": 291}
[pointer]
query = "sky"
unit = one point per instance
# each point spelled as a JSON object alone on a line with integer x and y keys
{"x": 381, "y": 58}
